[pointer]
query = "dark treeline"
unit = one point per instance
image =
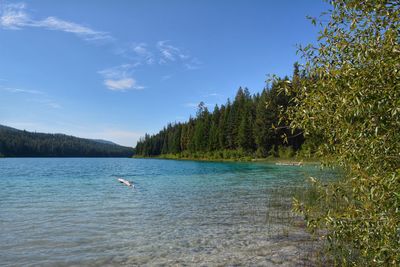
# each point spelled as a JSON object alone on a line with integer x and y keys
{"x": 247, "y": 126}
{"x": 17, "y": 143}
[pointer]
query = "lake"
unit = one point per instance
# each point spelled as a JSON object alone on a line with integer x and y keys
{"x": 73, "y": 211}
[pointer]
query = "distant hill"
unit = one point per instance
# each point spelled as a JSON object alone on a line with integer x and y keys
{"x": 104, "y": 141}
{"x": 21, "y": 143}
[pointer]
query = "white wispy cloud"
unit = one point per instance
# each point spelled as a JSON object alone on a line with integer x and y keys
{"x": 19, "y": 90}
{"x": 121, "y": 84}
{"x": 14, "y": 16}
{"x": 120, "y": 71}
{"x": 46, "y": 102}
{"x": 35, "y": 96}
{"x": 119, "y": 78}
{"x": 143, "y": 52}
{"x": 170, "y": 53}
{"x": 53, "y": 23}
{"x": 193, "y": 64}
{"x": 163, "y": 53}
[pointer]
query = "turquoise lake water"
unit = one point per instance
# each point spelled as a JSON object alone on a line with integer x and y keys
{"x": 72, "y": 211}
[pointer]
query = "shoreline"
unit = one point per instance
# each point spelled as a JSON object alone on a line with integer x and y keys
{"x": 272, "y": 160}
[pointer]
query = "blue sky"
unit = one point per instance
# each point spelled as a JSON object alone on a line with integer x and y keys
{"x": 118, "y": 69}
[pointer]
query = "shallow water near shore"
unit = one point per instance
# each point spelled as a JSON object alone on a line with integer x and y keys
{"x": 73, "y": 211}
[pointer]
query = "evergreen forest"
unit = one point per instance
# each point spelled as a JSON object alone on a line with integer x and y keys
{"x": 17, "y": 143}
{"x": 248, "y": 126}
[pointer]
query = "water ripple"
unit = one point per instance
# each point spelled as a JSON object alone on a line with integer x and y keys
{"x": 65, "y": 212}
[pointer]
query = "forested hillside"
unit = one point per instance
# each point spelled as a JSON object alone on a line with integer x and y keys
{"x": 247, "y": 126}
{"x": 17, "y": 143}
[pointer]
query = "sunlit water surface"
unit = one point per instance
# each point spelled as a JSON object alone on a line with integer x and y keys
{"x": 72, "y": 211}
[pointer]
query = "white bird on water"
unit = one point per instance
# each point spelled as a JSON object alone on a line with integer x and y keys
{"x": 126, "y": 182}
